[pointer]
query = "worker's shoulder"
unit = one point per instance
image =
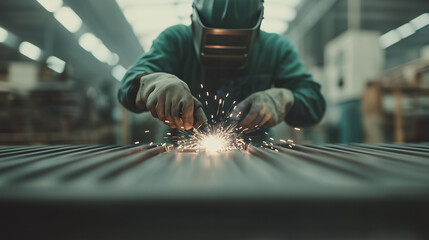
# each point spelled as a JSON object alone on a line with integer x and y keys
{"x": 178, "y": 31}
{"x": 274, "y": 40}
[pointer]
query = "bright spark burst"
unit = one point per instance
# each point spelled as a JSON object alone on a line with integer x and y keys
{"x": 213, "y": 143}
{"x": 222, "y": 137}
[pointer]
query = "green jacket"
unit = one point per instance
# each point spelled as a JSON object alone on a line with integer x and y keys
{"x": 273, "y": 62}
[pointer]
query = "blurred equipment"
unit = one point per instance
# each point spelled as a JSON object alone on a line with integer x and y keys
{"x": 133, "y": 192}
{"x": 351, "y": 59}
{"x": 41, "y": 106}
{"x": 398, "y": 103}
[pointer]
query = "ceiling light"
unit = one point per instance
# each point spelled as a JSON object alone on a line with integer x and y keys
{"x": 421, "y": 21}
{"x": 160, "y": 13}
{"x": 406, "y": 30}
{"x": 102, "y": 53}
{"x": 274, "y": 26}
{"x": 51, "y": 5}
{"x": 94, "y": 45}
{"x": 159, "y": 17}
{"x": 89, "y": 42}
{"x": 291, "y": 3}
{"x": 69, "y": 19}
{"x": 30, "y": 50}
{"x": 279, "y": 11}
{"x": 3, "y": 34}
{"x": 55, "y": 64}
{"x": 390, "y": 38}
{"x": 118, "y": 72}
{"x": 114, "y": 59}
{"x": 131, "y": 3}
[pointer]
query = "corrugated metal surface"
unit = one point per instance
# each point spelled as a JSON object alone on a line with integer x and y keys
{"x": 151, "y": 172}
{"x": 142, "y": 192}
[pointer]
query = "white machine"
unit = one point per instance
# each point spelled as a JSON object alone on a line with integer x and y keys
{"x": 351, "y": 60}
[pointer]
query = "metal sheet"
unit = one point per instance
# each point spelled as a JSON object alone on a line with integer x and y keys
{"x": 148, "y": 172}
{"x": 133, "y": 192}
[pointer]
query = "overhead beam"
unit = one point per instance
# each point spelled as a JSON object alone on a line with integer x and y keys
{"x": 312, "y": 17}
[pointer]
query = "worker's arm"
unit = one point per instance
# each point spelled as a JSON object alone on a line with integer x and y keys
{"x": 309, "y": 105}
{"x": 151, "y": 85}
{"x": 295, "y": 97}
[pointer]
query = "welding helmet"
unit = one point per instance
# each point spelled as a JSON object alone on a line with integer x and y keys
{"x": 224, "y": 31}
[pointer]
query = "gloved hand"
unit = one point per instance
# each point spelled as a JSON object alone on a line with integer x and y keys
{"x": 264, "y": 109}
{"x": 169, "y": 99}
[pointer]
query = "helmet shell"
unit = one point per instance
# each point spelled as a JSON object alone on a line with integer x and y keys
{"x": 229, "y": 14}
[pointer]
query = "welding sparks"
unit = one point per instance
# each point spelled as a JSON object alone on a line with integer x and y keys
{"x": 223, "y": 132}
{"x": 213, "y": 143}
{"x": 222, "y": 137}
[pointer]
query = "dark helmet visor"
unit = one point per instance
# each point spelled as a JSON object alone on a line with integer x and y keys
{"x": 223, "y": 48}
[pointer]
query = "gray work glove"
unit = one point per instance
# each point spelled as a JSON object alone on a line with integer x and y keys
{"x": 264, "y": 109}
{"x": 169, "y": 99}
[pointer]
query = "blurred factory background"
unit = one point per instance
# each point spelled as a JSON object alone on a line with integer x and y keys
{"x": 61, "y": 62}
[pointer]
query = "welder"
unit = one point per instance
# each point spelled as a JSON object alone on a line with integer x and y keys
{"x": 224, "y": 51}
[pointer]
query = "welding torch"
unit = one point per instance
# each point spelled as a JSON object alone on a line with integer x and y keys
{"x": 200, "y": 120}
{"x": 206, "y": 127}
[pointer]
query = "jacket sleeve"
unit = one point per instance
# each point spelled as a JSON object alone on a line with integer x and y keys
{"x": 162, "y": 57}
{"x": 309, "y": 106}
